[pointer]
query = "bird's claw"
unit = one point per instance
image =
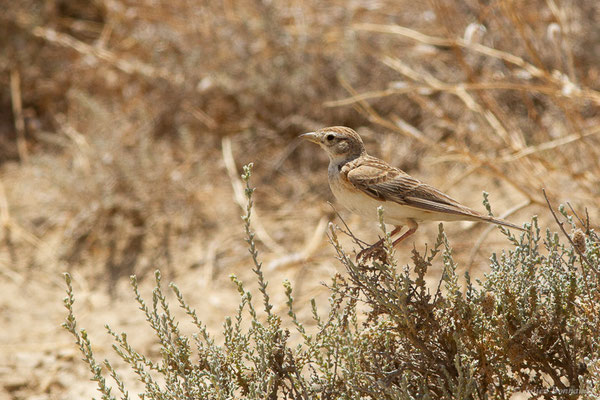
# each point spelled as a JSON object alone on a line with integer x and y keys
{"x": 375, "y": 252}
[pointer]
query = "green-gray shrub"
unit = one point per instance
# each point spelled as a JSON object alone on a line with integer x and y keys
{"x": 530, "y": 326}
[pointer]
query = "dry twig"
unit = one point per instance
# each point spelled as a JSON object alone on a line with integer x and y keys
{"x": 127, "y": 66}
{"x": 312, "y": 244}
{"x": 17, "y": 106}
{"x": 562, "y": 228}
{"x": 557, "y": 78}
{"x": 238, "y": 191}
{"x": 490, "y": 228}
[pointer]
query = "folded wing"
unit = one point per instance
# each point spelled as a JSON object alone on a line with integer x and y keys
{"x": 386, "y": 183}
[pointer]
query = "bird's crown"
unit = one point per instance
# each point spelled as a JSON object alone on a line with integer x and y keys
{"x": 339, "y": 132}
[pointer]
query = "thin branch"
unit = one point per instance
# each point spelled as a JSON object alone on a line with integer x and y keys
{"x": 17, "y": 107}
{"x": 373, "y": 116}
{"x": 359, "y": 242}
{"x": 562, "y": 228}
{"x": 560, "y": 80}
{"x": 238, "y": 191}
{"x": 550, "y": 145}
{"x": 446, "y": 87}
{"x": 460, "y": 91}
{"x": 490, "y": 228}
{"x": 313, "y": 243}
{"x": 129, "y": 66}
{"x": 577, "y": 216}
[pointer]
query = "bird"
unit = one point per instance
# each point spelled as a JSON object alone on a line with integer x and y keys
{"x": 362, "y": 183}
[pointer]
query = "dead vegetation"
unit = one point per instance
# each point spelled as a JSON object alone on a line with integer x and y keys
{"x": 115, "y": 115}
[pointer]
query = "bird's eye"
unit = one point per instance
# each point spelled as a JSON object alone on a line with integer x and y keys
{"x": 330, "y": 137}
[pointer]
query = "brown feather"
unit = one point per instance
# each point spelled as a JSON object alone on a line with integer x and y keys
{"x": 383, "y": 182}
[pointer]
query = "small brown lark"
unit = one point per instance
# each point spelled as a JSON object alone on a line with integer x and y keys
{"x": 362, "y": 183}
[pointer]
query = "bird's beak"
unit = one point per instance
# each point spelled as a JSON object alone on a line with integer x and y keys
{"x": 311, "y": 137}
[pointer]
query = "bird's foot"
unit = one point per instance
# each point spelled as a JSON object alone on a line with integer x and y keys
{"x": 374, "y": 252}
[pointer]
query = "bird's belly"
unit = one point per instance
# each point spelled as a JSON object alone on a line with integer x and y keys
{"x": 357, "y": 202}
{"x": 366, "y": 206}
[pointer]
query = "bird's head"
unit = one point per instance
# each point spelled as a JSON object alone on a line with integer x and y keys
{"x": 339, "y": 142}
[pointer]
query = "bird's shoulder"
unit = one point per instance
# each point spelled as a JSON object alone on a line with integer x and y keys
{"x": 370, "y": 169}
{"x": 377, "y": 178}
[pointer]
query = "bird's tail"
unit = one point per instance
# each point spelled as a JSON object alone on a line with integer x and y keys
{"x": 502, "y": 222}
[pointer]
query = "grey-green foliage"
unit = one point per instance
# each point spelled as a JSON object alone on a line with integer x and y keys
{"x": 531, "y": 325}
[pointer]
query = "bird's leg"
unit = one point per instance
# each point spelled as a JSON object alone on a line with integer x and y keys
{"x": 412, "y": 228}
{"x": 377, "y": 248}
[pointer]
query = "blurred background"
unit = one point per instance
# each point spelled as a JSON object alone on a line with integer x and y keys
{"x": 124, "y": 125}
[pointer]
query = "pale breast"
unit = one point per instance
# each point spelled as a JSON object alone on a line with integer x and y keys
{"x": 350, "y": 197}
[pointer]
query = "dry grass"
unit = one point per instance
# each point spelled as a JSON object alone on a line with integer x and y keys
{"x": 115, "y": 115}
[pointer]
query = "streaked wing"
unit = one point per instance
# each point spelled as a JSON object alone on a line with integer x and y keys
{"x": 384, "y": 182}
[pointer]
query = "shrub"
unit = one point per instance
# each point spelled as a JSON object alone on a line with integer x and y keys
{"x": 530, "y": 326}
